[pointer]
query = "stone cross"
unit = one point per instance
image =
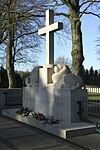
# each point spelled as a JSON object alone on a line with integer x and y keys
{"x": 49, "y": 31}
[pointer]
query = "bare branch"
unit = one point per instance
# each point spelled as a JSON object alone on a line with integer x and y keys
{"x": 62, "y": 14}
{"x": 91, "y": 13}
{"x": 24, "y": 16}
{"x": 84, "y": 3}
{"x": 89, "y": 1}
{"x": 57, "y": 3}
{"x": 86, "y": 9}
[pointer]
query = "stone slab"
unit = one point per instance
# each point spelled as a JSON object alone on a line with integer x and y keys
{"x": 62, "y": 130}
{"x": 91, "y": 141}
{"x": 5, "y": 125}
{"x": 3, "y": 146}
{"x": 16, "y": 132}
{"x": 62, "y": 148}
{"x": 34, "y": 142}
{"x": 10, "y": 142}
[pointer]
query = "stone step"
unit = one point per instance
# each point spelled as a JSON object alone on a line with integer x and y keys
{"x": 62, "y": 129}
{"x": 80, "y": 131}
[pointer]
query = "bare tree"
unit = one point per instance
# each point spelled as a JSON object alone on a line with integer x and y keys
{"x": 19, "y": 22}
{"x": 63, "y": 60}
{"x": 74, "y": 10}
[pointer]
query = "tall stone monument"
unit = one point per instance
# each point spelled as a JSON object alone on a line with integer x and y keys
{"x": 53, "y": 90}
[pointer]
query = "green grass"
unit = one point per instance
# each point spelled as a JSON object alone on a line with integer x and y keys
{"x": 94, "y": 96}
{"x": 93, "y": 93}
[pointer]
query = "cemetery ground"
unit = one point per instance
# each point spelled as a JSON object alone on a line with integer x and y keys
{"x": 17, "y": 136}
{"x": 94, "y": 96}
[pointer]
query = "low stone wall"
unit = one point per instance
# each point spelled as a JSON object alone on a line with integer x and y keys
{"x": 10, "y": 97}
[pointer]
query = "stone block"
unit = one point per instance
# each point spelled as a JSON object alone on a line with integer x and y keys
{"x": 46, "y": 75}
{"x": 61, "y": 103}
{"x": 10, "y": 96}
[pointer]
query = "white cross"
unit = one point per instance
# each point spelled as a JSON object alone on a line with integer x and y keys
{"x": 49, "y": 31}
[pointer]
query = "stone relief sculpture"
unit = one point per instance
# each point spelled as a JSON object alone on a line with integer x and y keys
{"x": 64, "y": 78}
{"x": 60, "y": 70}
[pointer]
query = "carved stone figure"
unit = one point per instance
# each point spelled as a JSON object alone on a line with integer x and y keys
{"x": 63, "y": 77}
{"x": 60, "y": 70}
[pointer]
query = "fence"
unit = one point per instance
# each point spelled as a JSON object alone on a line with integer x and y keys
{"x": 94, "y": 104}
{"x": 93, "y": 100}
{"x": 94, "y": 107}
{"x": 93, "y": 89}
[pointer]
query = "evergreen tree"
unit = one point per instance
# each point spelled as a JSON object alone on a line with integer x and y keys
{"x": 86, "y": 79}
{"x": 82, "y": 73}
{"x": 3, "y": 78}
{"x": 91, "y": 76}
{"x": 96, "y": 77}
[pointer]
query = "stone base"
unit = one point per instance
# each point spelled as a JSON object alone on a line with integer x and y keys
{"x": 61, "y": 103}
{"x": 61, "y": 130}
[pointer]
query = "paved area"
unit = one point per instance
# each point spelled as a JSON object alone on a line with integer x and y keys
{"x": 17, "y": 136}
{"x": 91, "y": 141}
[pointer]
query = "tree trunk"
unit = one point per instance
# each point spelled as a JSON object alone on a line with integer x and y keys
{"x": 10, "y": 45}
{"x": 9, "y": 66}
{"x": 77, "y": 46}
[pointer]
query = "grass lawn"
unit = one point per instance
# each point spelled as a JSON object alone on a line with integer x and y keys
{"x": 94, "y": 96}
